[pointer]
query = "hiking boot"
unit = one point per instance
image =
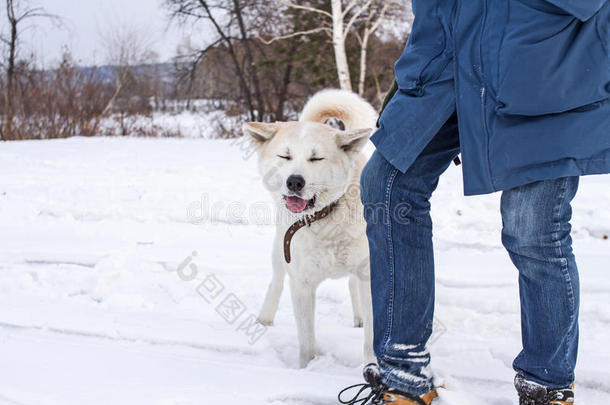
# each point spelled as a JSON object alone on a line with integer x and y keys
{"x": 374, "y": 392}
{"x": 398, "y": 398}
{"x": 531, "y": 393}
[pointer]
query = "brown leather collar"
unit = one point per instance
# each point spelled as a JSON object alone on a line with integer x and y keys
{"x": 307, "y": 220}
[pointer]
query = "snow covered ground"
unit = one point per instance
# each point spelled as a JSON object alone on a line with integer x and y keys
{"x": 93, "y": 309}
{"x": 202, "y": 123}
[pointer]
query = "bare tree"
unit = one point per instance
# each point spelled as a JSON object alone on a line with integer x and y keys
{"x": 126, "y": 47}
{"x": 371, "y": 23}
{"x": 333, "y": 23}
{"x": 235, "y": 65}
{"x": 17, "y": 12}
{"x": 229, "y": 24}
{"x": 345, "y": 17}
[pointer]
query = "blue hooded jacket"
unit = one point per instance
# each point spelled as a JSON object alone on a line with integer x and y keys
{"x": 530, "y": 80}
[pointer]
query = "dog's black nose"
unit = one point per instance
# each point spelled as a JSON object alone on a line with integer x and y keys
{"x": 295, "y": 183}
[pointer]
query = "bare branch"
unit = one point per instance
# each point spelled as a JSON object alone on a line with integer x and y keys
{"x": 36, "y": 12}
{"x": 349, "y": 7}
{"x": 200, "y": 55}
{"x": 292, "y": 35}
{"x": 307, "y": 8}
{"x": 357, "y": 14}
{"x": 381, "y": 16}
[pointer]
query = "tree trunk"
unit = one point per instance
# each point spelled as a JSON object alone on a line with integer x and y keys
{"x": 363, "y": 52}
{"x": 241, "y": 77}
{"x": 7, "y": 125}
{"x": 339, "y": 46}
{"x": 282, "y": 95}
{"x": 249, "y": 59}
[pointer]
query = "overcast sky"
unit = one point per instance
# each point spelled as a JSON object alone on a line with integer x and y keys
{"x": 84, "y": 21}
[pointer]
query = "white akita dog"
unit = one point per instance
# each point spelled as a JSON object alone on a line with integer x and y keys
{"x": 312, "y": 171}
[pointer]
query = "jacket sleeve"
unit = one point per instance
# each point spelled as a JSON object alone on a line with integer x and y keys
{"x": 581, "y": 9}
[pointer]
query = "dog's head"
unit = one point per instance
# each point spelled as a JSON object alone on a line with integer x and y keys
{"x": 306, "y": 165}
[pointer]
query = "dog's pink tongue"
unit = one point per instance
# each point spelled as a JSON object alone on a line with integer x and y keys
{"x": 296, "y": 204}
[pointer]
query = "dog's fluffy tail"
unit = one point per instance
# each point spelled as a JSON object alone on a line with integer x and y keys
{"x": 353, "y": 110}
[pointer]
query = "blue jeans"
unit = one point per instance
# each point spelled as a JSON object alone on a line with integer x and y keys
{"x": 536, "y": 234}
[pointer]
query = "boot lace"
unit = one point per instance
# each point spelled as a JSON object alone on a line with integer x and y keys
{"x": 366, "y": 394}
{"x": 370, "y": 392}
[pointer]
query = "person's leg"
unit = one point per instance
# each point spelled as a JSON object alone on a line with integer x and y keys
{"x": 399, "y": 229}
{"x": 536, "y": 233}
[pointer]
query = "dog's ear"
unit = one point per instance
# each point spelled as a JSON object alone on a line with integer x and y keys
{"x": 260, "y": 132}
{"x": 353, "y": 140}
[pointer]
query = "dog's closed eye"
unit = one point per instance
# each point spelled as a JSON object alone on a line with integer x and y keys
{"x": 315, "y": 159}
{"x": 285, "y": 157}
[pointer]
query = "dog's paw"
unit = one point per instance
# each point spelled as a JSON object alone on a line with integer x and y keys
{"x": 358, "y": 322}
{"x": 305, "y": 359}
{"x": 265, "y": 322}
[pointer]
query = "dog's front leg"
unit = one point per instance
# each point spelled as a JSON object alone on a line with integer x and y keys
{"x": 354, "y": 292}
{"x": 303, "y": 302}
{"x": 366, "y": 304}
{"x": 274, "y": 292}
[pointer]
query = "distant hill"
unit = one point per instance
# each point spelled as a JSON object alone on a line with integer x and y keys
{"x": 107, "y": 73}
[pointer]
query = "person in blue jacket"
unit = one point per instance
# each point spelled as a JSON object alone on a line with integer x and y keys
{"x": 521, "y": 88}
